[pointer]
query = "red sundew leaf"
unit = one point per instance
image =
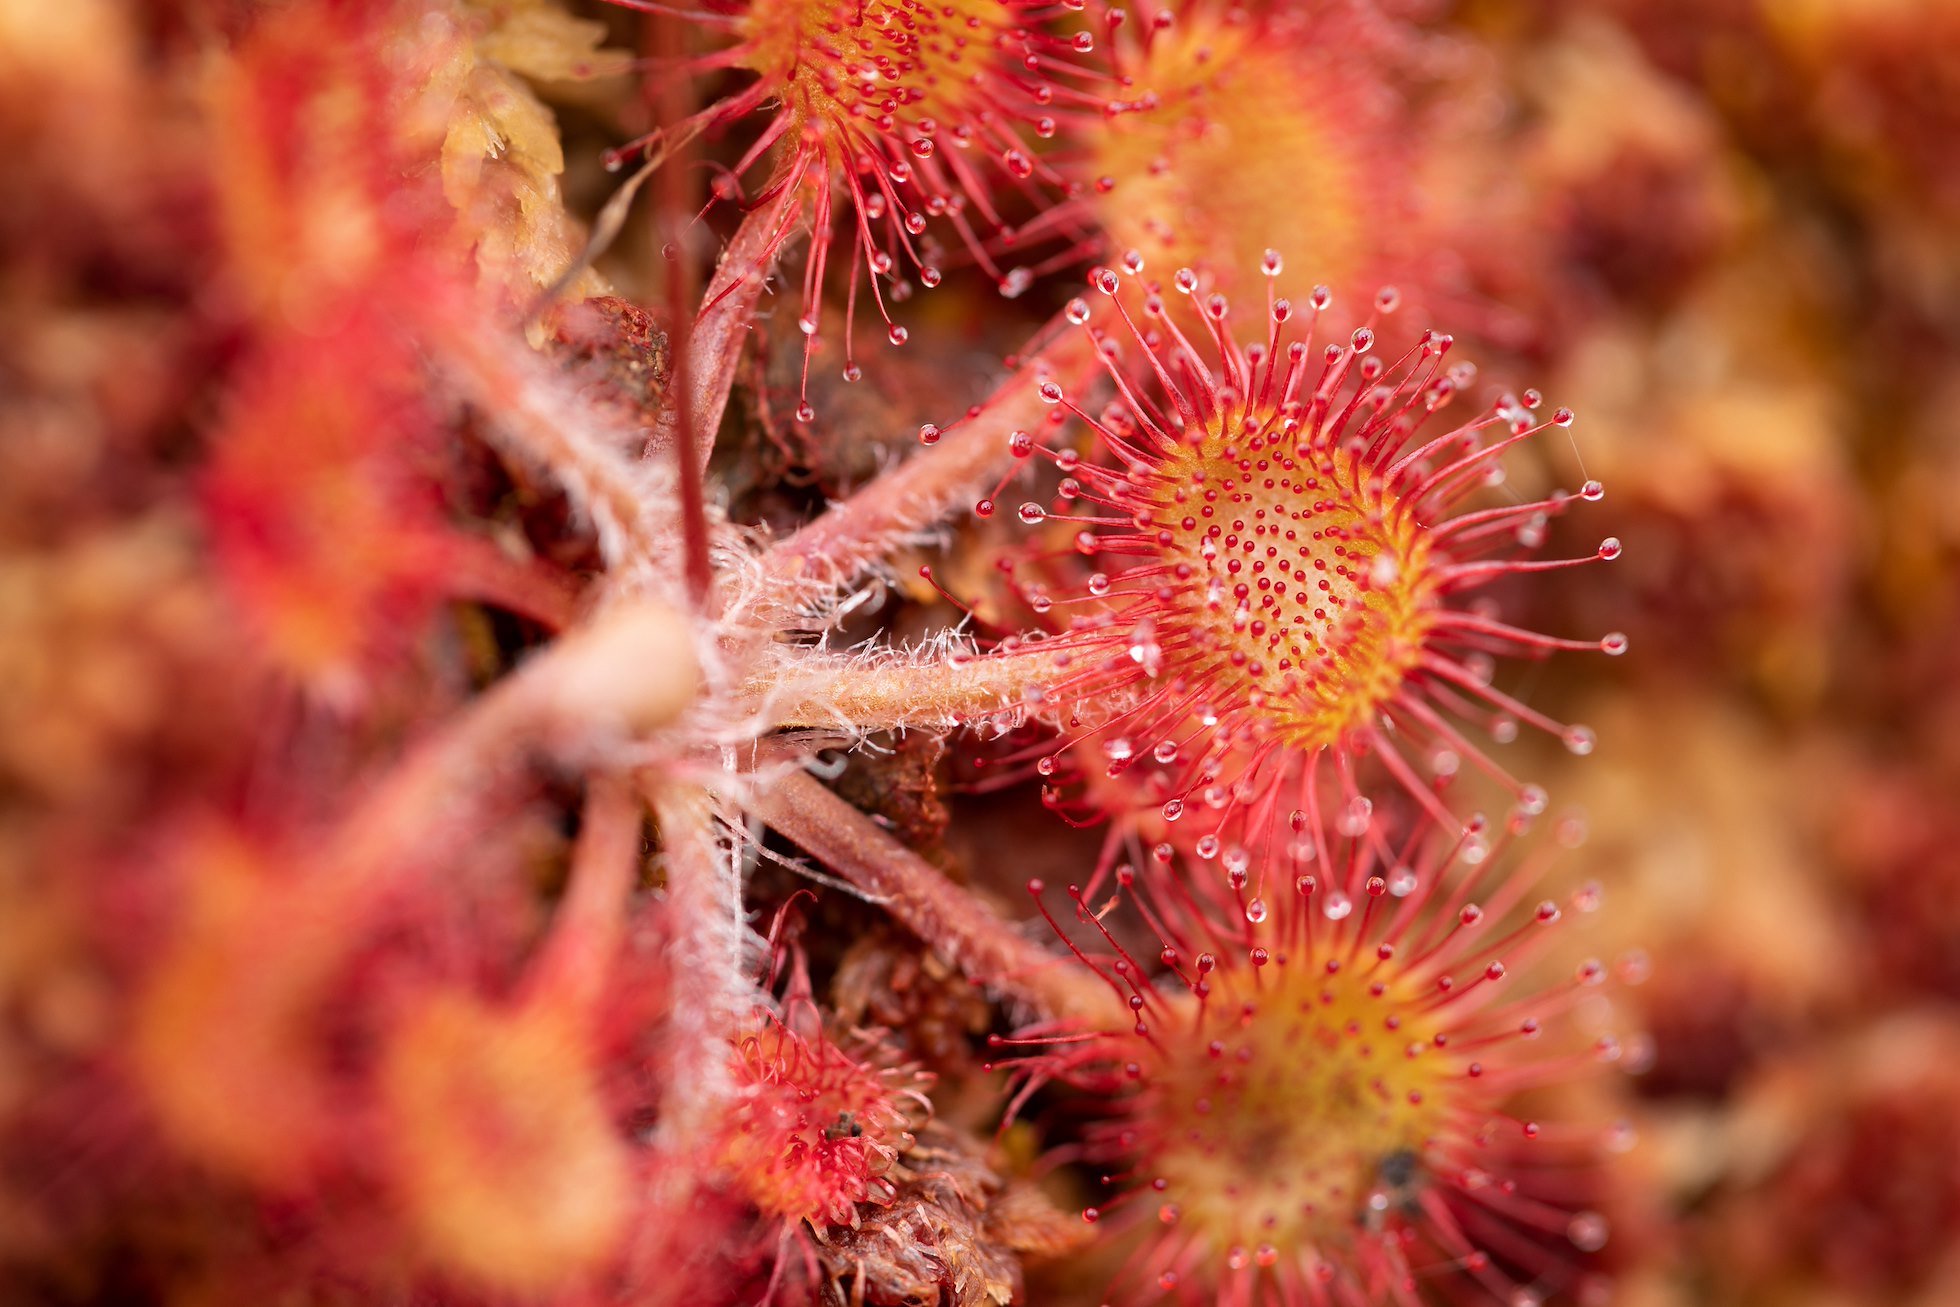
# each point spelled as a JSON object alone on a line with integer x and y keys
{"x": 226, "y": 1017}
{"x": 329, "y": 539}
{"x": 812, "y": 1131}
{"x": 507, "y": 1163}
{"x": 889, "y": 116}
{"x": 1309, "y": 1087}
{"x": 1301, "y": 128}
{"x": 1286, "y": 571}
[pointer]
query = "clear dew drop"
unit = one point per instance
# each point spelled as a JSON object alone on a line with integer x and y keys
{"x": 1165, "y": 752}
{"x": 1609, "y": 548}
{"x": 1173, "y": 809}
{"x": 1207, "y": 847}
{"x": 1032, "y": 514}
{"x": 1255, "y": 911}
{"x": 898, "y": 335}
{"x": 929, "y": 434}
{"x": 1586, "y": 1231}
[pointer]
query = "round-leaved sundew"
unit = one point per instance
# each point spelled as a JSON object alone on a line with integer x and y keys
{"x": 1283, "y": 566}
{"x": 898, "y": 112}
{"x": 1313, "y": 1089}
{"x": 813, "y": 1131}
{"x": 1246, "y": 128}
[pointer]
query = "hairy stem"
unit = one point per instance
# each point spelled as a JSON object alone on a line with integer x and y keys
{"x": 535, "y": 415}
{"x": 856, "y": 533}
{"x": 586, "y": 689}
{"x": 578, "y": 954}
{"x": 534, "y": 589}
{"x": 711, "y": 997}
{"x": 960, "y": 925}
{"x": 824, "y": 690}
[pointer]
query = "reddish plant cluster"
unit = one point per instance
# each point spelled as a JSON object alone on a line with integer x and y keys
{"x": 446, "y": 971}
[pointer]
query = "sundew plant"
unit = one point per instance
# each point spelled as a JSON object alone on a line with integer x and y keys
{"x": 566, "y": 778}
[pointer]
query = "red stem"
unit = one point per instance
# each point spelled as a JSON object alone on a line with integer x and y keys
{"x": 682, "y": 411}
{"x": 961, "y": 926}
{"x": 704, "y": 367}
